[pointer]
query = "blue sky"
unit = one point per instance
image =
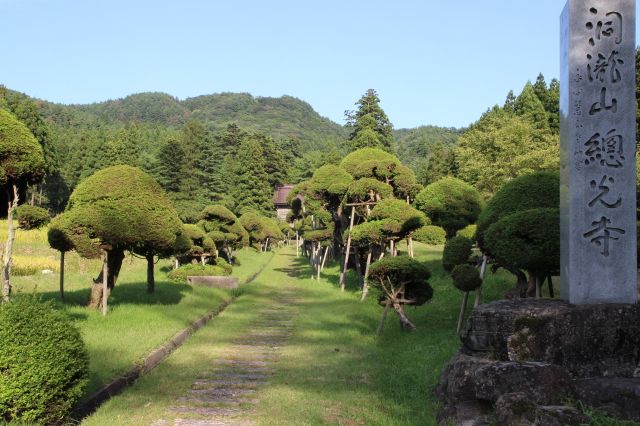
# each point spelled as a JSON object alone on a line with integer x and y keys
{"x": 432, "y": 62}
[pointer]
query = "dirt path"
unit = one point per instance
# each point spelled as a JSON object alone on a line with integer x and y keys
{"x": 226, "y": 393}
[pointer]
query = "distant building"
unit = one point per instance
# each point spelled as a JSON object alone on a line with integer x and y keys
{"x": 280, "y": 201}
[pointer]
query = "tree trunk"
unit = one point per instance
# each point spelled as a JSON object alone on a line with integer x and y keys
{"x": 62, "y": 275}
{"x": 365, "y": 285}
{"x": 105, "y": 283}
{"x": 384, "y": 317}
{"x": 392, "y": 248}
{"x": 7, "y": 258}
{"x": 297, "y": 244}
{"x": 114, "y": 264}
{"x": 151, "y": 281}
{"x": 405, "y": 324}
{"x": 410, "y": 247}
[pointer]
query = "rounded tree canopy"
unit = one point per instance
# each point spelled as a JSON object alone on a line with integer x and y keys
{"x": 370, "y": 162}
{"x": 368, "y": 189}
{"x": 528, "y": 240}
{"x": 466, "y": 278}
{"x": 535, "y": 190}
{"x": 457, "y": 251}
{"x": 368, "y": 233}
{"x": 450, "y": 203}
{"x": 400, "y": 218}
{"x": 329, "y": 180}
{"x": 402, "y": 270}
{"x": 21, "y": 156}
{"x": 125, "y": 207}
{"x": 430, "y": 234}
{"x": 222, "y": 225}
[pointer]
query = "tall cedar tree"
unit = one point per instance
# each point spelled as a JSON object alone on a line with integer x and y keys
{"x": 250, "y": 188}
{"x": 369, "y": 125}
{"x": 170, "y": 166}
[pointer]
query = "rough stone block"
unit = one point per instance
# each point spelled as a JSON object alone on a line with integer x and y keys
{"x": 213, "y": 281}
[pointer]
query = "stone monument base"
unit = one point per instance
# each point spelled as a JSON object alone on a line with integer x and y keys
{"x": 213, "y": 281}
{"x": 529, "y": 361}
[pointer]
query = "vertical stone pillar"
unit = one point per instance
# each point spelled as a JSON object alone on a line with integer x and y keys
{"x": 598, "y": 138}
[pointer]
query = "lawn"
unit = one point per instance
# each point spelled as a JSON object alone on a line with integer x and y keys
{"x": 334, "y": 370}
{"x": 137, "y": 322}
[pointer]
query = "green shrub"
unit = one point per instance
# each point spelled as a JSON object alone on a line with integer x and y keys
{"x": 532, "y": 191}
{"x": 468, "y": 231}
{"x": 450, "y": 203}
{"x": 224, "y": 265}
{"x": 195, "y": 269}
{"x": 528, "y": 240}
{"x": 401, "y": 281}
{"x": 430, "y": 234}
{"x": 32, "y": 217}
{"x": 466, "y": 277}
{"x": 456, "y": 252}
{"x": 43, "y": 363}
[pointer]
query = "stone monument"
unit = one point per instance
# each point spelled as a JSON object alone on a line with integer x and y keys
{"x": 598, "y": 135}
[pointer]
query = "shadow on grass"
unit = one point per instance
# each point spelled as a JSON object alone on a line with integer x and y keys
{"x": 166, "y": 293}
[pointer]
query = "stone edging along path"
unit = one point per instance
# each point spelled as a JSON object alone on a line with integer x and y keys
{"x": 121, "y": 382}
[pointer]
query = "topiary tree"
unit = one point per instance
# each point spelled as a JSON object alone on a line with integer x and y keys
{"x": 468, "y": 231}
{"x": 533, "y": 191}
{"x": 457, "y": 251}
{"x": 21, "y": 163}
{"x": 528, "y": 240}
{"x": 465, "y": 278}
{"x": 59, "y": 240}
{"x": 116, "y": 209}
{"x": 430, "y": 234}
{"x": 400, "y": 281}
{"x": 32, "y": 217}
{"x": 450, "y": 203}
{"x": 262, "y": 230}
{"x": 43, "y": 363}
{"x": 224, "y": 229}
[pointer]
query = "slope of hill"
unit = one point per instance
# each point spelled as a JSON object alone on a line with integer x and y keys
{"x": 281, "y": 118}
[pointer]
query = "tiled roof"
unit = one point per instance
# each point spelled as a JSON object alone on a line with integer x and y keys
{"x": 280, "y": 194}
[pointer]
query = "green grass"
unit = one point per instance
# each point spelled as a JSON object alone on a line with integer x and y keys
{"x": 137, "y": 322}
{"x": 334, "y": 370}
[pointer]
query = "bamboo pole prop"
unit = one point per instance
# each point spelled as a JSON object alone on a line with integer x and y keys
{"x": 7, "y": 257}
{"x": 463, "y": 307}
{"x": 105, "y": 287}
{"x": 297, "y": 244}
{"x": 62, "y": 275}
{"x": 324, "y": 259}
{"x": 410, "y": 247}
{"x": 346, "y": 256}
{"x": 483, "y": 268}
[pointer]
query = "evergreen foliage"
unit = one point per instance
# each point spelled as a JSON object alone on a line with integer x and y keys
{"x": 430, "y": 234}
{"x": 32, "y": 217}
{"x": 536, "y": 190}
{"x": 181, "y": 273}
{"x": 21, "y": 157}
{"x": 401, "y": 281}
{"x": 450, "y": 203}
{"x": 457, "y": 251}
{"x": 43, "y": 363}
{"x": 527, "y": 240}
{"x": 249, "y": 187}
{"x": 369, "y": 126}
{"x": 466, "y": 278}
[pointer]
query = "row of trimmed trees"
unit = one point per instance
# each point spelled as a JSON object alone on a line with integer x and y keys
{"x": 123, "y": 209}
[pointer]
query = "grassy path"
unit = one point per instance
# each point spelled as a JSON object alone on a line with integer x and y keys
{"x": 331, "y": 370}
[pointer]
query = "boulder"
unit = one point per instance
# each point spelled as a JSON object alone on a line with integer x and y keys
{"x": 618, "y": 397}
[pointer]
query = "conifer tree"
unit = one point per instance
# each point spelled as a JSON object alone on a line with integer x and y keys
{"x": 250, "y": 189}
{"x": 369, "y": 125}
{"x": 529, "y": 106}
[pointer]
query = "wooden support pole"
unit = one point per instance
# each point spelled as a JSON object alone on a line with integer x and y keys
{"x": 324, "y": 259}
{"x": 105, "y": 287}
{"x": 62, "y": 275}
{"x": 483, "y": 268}
{"x": 346, "y": 256}
{"x": 551, "y": 292}
{"x": 365, "y": 285}
{"x": 463, "y": 307}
